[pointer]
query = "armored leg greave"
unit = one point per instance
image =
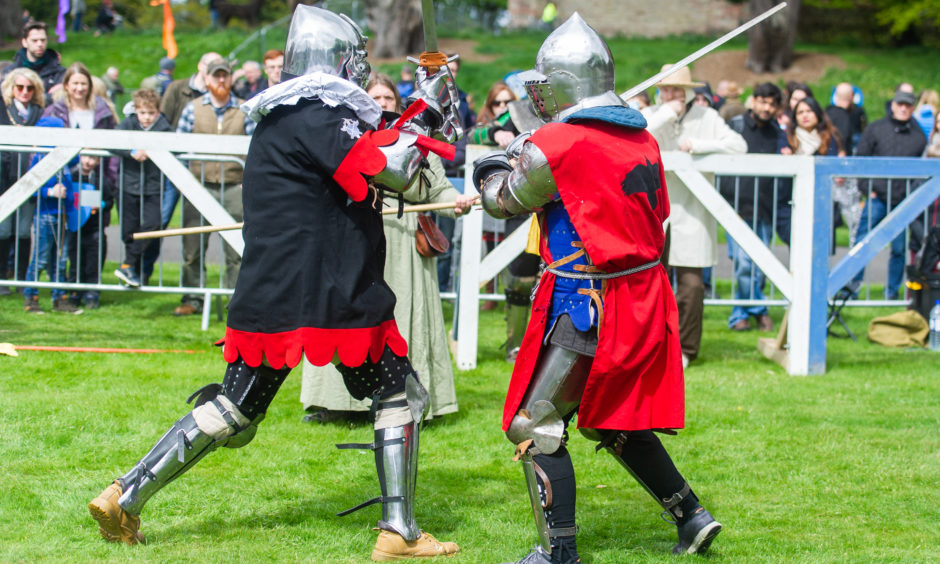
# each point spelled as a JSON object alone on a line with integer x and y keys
{"x": 551, "y": 484}
{"x": 225, "y": 415}
{"x": 177, "y": 451}
{"x": 397, "y": 428}
{"x": 538, "y": 430}
{"x": 396, "y": 462}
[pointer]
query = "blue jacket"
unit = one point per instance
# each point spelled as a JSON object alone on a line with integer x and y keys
{"x": 49, "y": 205}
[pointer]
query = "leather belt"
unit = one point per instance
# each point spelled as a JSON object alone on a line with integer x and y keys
{"x": 601, "y": 275}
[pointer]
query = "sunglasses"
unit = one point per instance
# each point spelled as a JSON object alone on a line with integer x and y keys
{"x": 501, "y": 102}
{"x": 26, "y": 87}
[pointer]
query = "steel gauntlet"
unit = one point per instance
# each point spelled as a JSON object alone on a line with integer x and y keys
{"x": 403, "y": 161}
{"x": 440, "y": 94}
{"x": 508, "y": 190}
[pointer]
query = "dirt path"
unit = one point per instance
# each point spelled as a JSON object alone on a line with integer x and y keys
{"x": 729, "y": 65}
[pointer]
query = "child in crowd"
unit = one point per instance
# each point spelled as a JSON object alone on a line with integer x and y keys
{"x": 140, "y": 198}
{"x": 50, "y": 247}
{"x": 89, "y": 213}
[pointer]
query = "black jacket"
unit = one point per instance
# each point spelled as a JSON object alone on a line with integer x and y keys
{"x": 131, "y": 168}
{"x": 850, "y": 123}
{"x": 889, "y": 137}
{"x": 740, "y": 190}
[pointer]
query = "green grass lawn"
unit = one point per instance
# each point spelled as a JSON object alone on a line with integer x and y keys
{"x": 836, "y": 468}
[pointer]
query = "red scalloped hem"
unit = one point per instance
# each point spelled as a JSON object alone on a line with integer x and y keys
{"x": 318, "y": 345}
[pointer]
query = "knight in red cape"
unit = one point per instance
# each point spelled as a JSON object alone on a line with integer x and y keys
{"x": 311, "y": 281}
{"x": 603, "y": 340}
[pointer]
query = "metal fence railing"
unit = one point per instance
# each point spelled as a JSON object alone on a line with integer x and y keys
{"x": 86, "y": 245}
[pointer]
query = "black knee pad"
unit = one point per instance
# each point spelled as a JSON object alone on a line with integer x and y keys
{"x": 252, "y": 389}
{"x": 383, "y": 378}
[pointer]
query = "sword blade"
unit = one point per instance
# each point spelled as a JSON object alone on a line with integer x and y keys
{"x": 701, "y": 52}
{"x": 430, "y": 26}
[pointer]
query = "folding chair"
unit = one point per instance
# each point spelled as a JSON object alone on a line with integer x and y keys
{"x": 838, "y": 302}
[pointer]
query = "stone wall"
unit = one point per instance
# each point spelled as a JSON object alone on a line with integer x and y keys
{"x": 641, "y": 18}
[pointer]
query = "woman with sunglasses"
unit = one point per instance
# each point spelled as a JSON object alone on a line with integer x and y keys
{"x": 23, "y": 96}
{"x": 24, "y": 99}
{"x": 494, "y": 118}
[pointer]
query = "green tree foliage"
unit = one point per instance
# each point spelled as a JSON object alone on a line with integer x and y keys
{"x": 485, "y": 5}
{"x": 47, "y": 11}
{"x": 898, "y": 16}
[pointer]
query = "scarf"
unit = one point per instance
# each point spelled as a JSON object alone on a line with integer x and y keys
{"x": 33, "y": 113}
{"x": 38, "y": 63}
{"x": 808, "y": 142}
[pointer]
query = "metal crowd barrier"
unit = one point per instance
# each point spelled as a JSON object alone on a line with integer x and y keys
{"x": 64, "y": 147}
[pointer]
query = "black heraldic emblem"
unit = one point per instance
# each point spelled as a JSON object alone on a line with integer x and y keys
{"x": 644, "y": 178}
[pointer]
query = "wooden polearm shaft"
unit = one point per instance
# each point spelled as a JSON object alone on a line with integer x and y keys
{"x": 234, "y": 226}
{"x": 187, "y": 231}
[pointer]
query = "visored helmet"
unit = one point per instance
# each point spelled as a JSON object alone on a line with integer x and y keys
{"x": 573, "y": 69}
{"x": 322, "y": 41}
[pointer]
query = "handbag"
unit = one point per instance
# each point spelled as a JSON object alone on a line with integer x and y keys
{"x": 429, "y": 239}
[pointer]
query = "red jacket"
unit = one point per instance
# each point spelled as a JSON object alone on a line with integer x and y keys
{"x": 611, "y": 182}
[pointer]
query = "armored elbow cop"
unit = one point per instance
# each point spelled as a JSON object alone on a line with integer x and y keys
{"x": 508, "y": 190}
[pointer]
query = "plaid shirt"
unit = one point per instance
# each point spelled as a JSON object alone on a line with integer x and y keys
{"x": 187, "y": 119}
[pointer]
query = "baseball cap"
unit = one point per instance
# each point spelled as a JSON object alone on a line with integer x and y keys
{"x": 167, "y": 63}
{"x": 217, "y": 65}
{"x": 902, "y": 97}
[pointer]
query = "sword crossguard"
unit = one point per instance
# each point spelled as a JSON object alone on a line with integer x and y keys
{"x": 432, "y": 61}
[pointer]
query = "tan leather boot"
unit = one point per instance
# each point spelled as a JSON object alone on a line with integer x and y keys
{"x": 392, "y": 546}
{"x": 115, "y": 524}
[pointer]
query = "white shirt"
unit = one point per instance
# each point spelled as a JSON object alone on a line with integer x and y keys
{"x": 82, "y": 119}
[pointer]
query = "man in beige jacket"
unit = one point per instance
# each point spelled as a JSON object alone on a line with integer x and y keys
{"x": 691, "y": 232}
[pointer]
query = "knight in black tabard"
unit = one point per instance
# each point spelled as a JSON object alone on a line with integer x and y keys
{"x": 311, "y": 281}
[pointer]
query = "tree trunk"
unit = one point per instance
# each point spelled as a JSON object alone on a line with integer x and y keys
{"x": 770, "y": 44}
{"x": 11, "y": 20}
{"x": 395, "y": 27}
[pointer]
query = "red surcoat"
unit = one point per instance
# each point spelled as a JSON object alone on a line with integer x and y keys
{"x": 636, "y": 380}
